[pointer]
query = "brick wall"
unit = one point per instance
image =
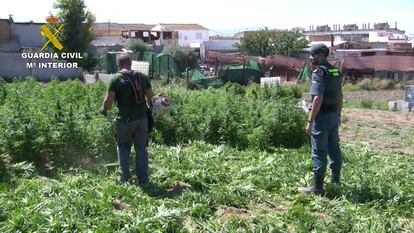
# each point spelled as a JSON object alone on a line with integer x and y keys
{"x": 4, "y": 29}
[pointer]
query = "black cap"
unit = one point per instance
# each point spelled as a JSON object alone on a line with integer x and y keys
{"x": 319, "y": 48}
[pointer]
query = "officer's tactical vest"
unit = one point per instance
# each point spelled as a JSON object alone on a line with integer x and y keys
{"x": 333, "y": 85}
{"x": 124, "y": 97}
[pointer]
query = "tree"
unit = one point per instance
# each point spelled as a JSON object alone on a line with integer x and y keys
{"x": 271, "y": 42}
{"x": 76, "y": 33}
{"x": 290, "y": 44}
{"x": 137, "y": 45}
{"x": 257, "y": 45}
{"x": 90, "y": 61}
{"x": 184, "y": 56}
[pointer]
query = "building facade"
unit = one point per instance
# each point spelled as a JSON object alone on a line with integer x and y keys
{"x": 184, "y": 35}
{"x": 381, "y": 32}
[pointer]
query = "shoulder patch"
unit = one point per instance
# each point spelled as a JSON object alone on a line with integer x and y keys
{"x": 319, "y": 72}
{"x": 334, "y": 72}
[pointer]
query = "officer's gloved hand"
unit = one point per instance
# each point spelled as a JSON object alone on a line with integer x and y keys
{"x": 103, "y": 112}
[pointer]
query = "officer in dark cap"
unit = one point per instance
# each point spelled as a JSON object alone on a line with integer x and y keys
{"x": 324, "y": 119}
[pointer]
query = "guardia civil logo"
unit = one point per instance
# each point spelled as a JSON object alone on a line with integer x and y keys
{"x": 50, "y": 30}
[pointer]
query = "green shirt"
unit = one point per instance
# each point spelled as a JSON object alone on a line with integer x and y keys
{"x": 130, "y": 106}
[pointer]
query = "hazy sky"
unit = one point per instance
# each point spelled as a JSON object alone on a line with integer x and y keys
{"x": 226, "y": 14}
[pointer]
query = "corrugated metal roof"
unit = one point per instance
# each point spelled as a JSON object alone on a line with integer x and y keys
{"x": 106, "y": 26}
{"x": 116, "y": 28}
{"x": 212, "y": 56}
{"x": 120, "y": 26}
{"x": 176, "y": 27}
{"x": 221, "y": 44}
{"x": 380, "y": 63}
{"x": 264, "y": 62}
{"x": 109, "y": 41}
{"x": 138, "y": 27}
{"x": 368, "y": 63}
{"x": 28, "y": 23}
{"x": 281, "y": 61}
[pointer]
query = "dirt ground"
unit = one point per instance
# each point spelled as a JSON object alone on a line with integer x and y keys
{"x": 225, "y": 213}
{"x": 388, "y": 131}
{"x": 375, "y": 96}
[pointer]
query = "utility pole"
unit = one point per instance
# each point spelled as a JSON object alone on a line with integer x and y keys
{"x": 187, "y": 74}
{"x": 109, "y": 27}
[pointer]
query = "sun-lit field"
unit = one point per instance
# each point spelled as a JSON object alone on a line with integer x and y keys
{"x": 224, "y": 160}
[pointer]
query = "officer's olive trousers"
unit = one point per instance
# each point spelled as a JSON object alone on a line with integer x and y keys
{"x": 325, "y": 141}
{"x": 137, "y": 132}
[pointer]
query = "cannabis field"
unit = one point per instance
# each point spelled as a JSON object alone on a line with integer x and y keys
{"x": 224, "y": 160}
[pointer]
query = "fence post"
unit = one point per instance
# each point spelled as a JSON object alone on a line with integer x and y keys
{"x": 244, "y": 72}
{"x": 168, "y": 71}
{"x": 159, "y": 67}
{"x": 187, "y": 73}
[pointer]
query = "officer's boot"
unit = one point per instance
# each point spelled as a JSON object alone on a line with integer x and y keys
{"x": 317, "y": 187}
{"x": 335, "y": 177}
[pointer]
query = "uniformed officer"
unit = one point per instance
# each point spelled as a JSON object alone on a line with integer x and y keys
{"x": 324, "y": 119}
{"x": 129, "y": 89}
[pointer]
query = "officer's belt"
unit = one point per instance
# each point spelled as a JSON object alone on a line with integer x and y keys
{"x": 123, "y": 104}
{"x": 326, "y": 108}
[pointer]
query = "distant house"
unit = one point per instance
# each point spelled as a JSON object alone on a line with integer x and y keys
{"x": 8, "y": 41}
{"x": 28, "y": 34}
{"x": 5, "y": 31}
{"x": 367, "y": 40}
{"x": 192, "y": 35}
{"x": 16, "y": 36}
{"x": 221, "y": 45}
{"x": 139, "y": 31}
{"x": 381, "y": 32}
{"x": 185, "y": 35}
{"x": 104, "y": 44}
{"x": 160, "y": 34}
{"x": 107, "y": 29}
{"x": 113, "y": 36}
{"x": 247, "y": 34}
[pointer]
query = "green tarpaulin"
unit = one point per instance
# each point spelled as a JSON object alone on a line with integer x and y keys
{"x": 108, "y": 63}
{"x": 195, "y": 75}
{"x": 161, "y": 65}
{"x": 242, "y": 74}
{"x": 166, "y": 65}
{"x": 304, "y": 75}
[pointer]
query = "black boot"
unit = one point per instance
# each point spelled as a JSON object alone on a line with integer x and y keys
{"x": 317, "y": 188}
{"x": 335, "y": 177}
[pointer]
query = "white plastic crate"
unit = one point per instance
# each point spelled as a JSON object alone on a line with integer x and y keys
{"x": 409, "y": 93}
{"x": 270, "y": 81}
{"x": 140, "y": 66}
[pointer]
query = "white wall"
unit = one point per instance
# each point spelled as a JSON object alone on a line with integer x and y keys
{"x": 13, "y": 65}
{"x": 185, "y": 37}
{"x": 411, "y": 39}
{"x": 29, "y": 35}
{"x": 379, "y": 36}
{"x": 384, "y": 36}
